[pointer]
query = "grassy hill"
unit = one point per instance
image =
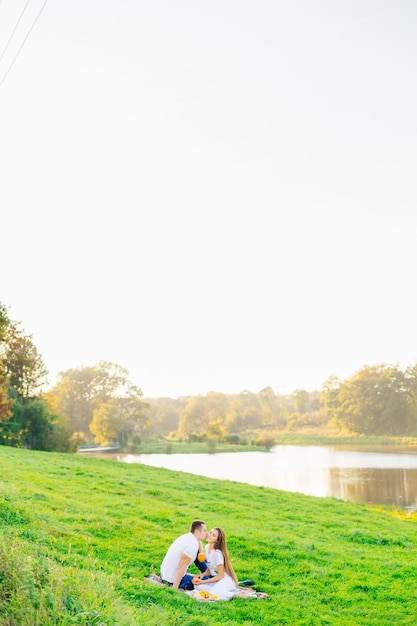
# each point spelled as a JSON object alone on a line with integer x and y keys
{"x": 78, "y": 536}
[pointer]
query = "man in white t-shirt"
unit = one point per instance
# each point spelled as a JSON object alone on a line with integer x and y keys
{"x": 181, "y": 553}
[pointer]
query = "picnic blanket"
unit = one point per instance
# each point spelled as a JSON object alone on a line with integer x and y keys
{"x": 241, "y": 592}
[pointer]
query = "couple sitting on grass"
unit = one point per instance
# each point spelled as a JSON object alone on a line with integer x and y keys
{"x": 216, "y": 572}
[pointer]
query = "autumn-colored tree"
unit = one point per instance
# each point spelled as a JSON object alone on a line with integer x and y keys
{"x": 191, "y": 420}
{"x": 200, "y": 411}
{"x": 120, "y": 417}
{"x": 216, "y": 429}
{"x": 266, "y": 440}
{"x": 252, "y": 417}
{"x": 106, "y": 423}
{"x": 6, "y": 401}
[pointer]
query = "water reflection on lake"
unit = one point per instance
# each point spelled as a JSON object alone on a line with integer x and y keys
{"x": 370, "y": 475}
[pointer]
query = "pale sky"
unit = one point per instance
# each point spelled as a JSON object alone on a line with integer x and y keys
{"x": 215, "y": 195}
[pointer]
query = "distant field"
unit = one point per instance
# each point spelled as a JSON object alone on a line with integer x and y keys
{"x": 78, "y": 536}
{"x": 184, "y": 447}
{"x": 317, "y": 437}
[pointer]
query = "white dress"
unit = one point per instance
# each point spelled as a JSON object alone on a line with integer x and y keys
{"x": 224, "y": 588}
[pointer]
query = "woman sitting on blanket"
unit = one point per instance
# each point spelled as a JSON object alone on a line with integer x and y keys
{"x": 219, "y": 578}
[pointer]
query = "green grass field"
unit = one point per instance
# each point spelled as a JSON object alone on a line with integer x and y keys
{"x": 78, "y": 536}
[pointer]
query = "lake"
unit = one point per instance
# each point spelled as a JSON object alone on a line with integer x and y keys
{"x": 371, "y": 475}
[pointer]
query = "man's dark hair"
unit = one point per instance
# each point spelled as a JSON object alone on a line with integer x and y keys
{"x": 196, "y": 525}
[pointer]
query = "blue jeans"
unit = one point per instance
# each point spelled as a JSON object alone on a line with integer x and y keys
{"x": 202, "y": 566}
{"x": 187, "y": 578}
{"x": 185, "y": 582}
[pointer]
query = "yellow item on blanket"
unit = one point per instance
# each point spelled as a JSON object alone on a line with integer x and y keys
{"x": 205, "y": 595}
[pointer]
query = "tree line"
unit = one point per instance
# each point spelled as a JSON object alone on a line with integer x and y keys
{"x": 100, "y": 404}
{"x": 378, "y": 400}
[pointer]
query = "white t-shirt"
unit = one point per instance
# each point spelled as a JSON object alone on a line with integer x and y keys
{"x": 214, "y": 559}
{"x": 185, "y": 544}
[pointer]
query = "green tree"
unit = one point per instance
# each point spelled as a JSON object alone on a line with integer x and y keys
{"x": 242, "y": 410}
{"x": 164, "y": 414}
{"x": 270, "y": 406}
{"x": 411, "y": 384}
{"x": 23, "y": 365}
{"x": 80, "y": 393}
{"x": 374, "y": 401}
{"x": 132, "y": 411}
{"x": 30, "y": 426}
{"x": 301, "y": 399}
{"x": 73, "y": 397}
{"x": 4, "y": 322}
{"x": 201, "y": 411}
{"x": 329, "y": 398}
{"x": 5, "y": 399}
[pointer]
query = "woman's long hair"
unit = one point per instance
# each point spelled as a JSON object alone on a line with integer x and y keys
{"x": 222, "y": 546}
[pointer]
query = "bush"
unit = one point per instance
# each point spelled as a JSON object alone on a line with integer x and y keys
{"x": 266, "y": 440}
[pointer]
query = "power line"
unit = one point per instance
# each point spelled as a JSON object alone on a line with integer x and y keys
{"x": 23, "y": 43}
{"x": 14, "y": 30}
